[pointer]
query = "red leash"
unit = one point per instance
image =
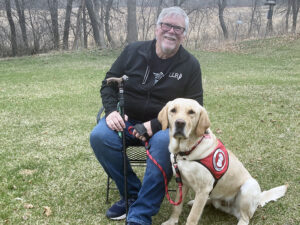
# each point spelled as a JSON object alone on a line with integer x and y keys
{"x": 178, "y": 176}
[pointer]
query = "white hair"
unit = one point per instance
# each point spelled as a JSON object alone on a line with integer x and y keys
{"x": 177, "y": 11}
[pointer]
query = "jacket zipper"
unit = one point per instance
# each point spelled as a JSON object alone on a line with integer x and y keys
{"x": 146, "y": 75}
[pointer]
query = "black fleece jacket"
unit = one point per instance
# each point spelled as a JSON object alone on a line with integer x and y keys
{"x": 143, "y": 99}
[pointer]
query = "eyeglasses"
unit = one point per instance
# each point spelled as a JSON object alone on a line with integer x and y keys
{"x": 167, "y": 27}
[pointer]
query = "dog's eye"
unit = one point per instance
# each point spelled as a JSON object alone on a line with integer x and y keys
{"x": 190, "y": 112}
{"x": 173, "y": 110}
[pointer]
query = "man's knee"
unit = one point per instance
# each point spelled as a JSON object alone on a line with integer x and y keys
{"x": 100, "y": 135}
{"x": 95, "y": 138}
{"x": 161, "y": 138}
{"x": 103, "y": 138}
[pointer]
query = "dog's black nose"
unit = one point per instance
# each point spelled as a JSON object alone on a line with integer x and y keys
{"x": 180, "y": 123}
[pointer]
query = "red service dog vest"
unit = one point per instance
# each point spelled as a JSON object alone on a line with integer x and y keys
{"x": 217, "y": 162}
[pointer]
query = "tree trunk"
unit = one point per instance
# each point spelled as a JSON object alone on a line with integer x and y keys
{"x": 132, "y": 34}
{"x": 254, "y": 6}
{"x": 106, "y": 23}
{"x": 178, "y": 2}
{"x": 36, "y": 43}
{"x": 287, "y": 15}
{"x": 20, "y": 10}
{"x": 100, "y": 23}
{"x": 222, "y": 4}
{"x": 53, "y": 6}
{"x": 295, "y": 9}
{"x": 78, "y": 26}
{"x": 159, "y": 8}
{"x": 67, "y": 25}
{"x": 13, "y": 36}
{"x": 90, "y": 8}
{"x": 85, "y": 34}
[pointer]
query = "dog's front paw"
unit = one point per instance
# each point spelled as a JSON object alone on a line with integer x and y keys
{"x": 171, "y": 221}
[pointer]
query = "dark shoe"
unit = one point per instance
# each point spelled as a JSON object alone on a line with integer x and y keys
{"x": 118, "y": 210}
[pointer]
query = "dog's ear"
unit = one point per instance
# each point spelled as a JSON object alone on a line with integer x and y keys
{"x": 163, "y": 117}
{"x": 203, "y": 123}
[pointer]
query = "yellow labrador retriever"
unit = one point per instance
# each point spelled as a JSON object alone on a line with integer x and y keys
{"x": 214, "y": 173}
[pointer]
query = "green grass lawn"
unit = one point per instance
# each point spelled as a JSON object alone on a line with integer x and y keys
{"x": 48, "y": 104}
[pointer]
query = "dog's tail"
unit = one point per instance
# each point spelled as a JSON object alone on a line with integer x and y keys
{"x": 272, "y": 194}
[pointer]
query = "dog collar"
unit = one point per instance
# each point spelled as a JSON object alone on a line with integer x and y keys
{"x": 192, "y": 149}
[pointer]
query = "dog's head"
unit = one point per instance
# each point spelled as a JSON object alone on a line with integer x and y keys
{"x": 184, "y": 117}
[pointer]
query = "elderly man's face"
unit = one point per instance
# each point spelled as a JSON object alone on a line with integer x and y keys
{"x": 168, "y": 41}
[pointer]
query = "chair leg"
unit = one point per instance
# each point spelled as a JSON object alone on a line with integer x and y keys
{"x": 107, "y": 188}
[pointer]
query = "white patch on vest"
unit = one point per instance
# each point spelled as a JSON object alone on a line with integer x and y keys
{"x": 219, "y": 160}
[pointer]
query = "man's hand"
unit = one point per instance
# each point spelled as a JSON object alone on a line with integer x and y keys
{"x": 115, "y": 122}
{"x": 147, "y": 125}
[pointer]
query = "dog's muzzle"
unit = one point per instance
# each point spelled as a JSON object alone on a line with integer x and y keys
{"x": 179, "y": 129}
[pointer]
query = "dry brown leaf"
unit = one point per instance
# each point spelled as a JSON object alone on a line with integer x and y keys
{"x": 47, "y": 211}
{"x": 218, "y": 131}
{"x": 27, "y": 172}
{"x": 28, "y": 206}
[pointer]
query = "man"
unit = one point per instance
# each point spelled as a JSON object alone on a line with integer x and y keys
{"x": 159, "y": 71}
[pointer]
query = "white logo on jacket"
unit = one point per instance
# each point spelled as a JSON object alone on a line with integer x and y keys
{"x": 177, "y": 76}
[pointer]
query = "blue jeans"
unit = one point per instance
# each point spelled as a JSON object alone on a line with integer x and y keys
{"x": 107, "y": 146}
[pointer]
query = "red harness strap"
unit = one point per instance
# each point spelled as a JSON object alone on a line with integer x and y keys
{"x": 217, "y": 162}
{"x": 178, "y": 177}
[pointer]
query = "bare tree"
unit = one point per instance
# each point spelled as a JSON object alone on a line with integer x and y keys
{"x": 106, "y": 23}
{"x": 22, "y": 22}
{"x": 132, "y": 34}
{"x": 84, "y": 26}
{"x": 36, "y": 43}
{"x": 178, "y": 2}
{"x": 94, "y": 23}
{"x": 253, "y": 11}
{"x": 28, "y": 25}
{"x": 67, "y": 24}
{"x": 13, "y": 36}
{"x": 287, "y": 15}
{"x": 78, "y": 25}
{"x": 159, "y": 6}
{"x": 295, "y": 10}
{"x": 196, "y": 22}
{"x": 100, "y": 22}
{"x": 53, "y": 7}
{"x": 221, "y": 5}
{"x": 146, "y": 19}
